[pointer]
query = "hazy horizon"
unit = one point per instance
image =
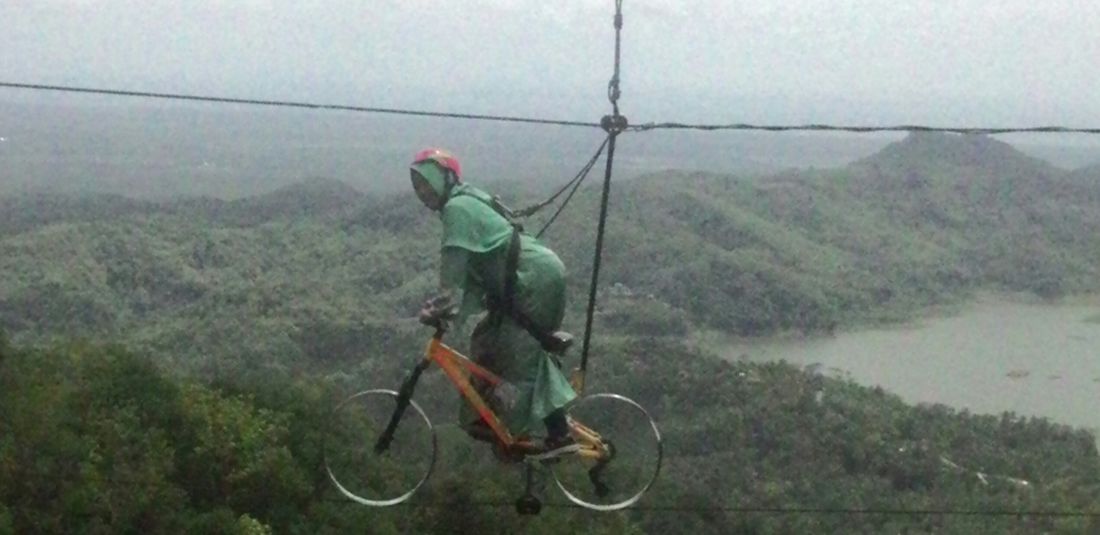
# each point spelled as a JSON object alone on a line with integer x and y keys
{"x": 1014, "y": 62}
{"x": 146, "y": 148}
{"x": 855, "y": 62}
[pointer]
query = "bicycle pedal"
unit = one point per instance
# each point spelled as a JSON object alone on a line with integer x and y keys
{"x": 528, "y": 505}
{"x": 601, "y": 489}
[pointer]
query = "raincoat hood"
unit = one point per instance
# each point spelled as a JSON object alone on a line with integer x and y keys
{"x": 433, "y": 175}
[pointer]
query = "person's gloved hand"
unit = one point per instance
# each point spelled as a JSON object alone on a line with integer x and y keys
{"x": 427, "y": 316}
{"x": 436, "y": 309}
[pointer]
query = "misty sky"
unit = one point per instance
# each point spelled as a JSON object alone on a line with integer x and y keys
{"x": 945, "y": 62}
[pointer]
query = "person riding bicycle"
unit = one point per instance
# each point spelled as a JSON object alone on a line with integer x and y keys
{"x": 488, "y": 262}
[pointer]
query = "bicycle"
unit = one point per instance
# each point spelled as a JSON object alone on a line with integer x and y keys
{"x": 379, "y": 453}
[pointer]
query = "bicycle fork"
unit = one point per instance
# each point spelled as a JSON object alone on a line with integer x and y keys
{"x": 403, "y": 397}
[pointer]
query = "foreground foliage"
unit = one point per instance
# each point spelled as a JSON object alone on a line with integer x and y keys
{"x": 96, "y": 440}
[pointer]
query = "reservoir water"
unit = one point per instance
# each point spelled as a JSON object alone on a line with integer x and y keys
{"x": 993, "y": 356}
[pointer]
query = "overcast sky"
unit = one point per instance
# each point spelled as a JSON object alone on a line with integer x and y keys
{"x": 946, "y": 62}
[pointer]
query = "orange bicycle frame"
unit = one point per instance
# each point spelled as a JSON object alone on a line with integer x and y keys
{"x": 458, "y": 368}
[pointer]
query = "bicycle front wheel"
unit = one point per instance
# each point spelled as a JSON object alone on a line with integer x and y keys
{"x": 631, "y": 458}
{"x": 365, "y": 475}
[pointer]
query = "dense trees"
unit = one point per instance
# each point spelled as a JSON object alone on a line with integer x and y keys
{"x": 97, "y": 440}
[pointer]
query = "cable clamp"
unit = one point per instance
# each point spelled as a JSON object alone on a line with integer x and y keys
{"x": 614, "y": 124}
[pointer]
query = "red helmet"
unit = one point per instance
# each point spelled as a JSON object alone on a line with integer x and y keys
{"x": 442, "y": 158}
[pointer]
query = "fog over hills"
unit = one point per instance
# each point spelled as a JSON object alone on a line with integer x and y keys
{"x": 153, "y": 150}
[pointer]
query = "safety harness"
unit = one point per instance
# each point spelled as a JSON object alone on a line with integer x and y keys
{"x": 506, "y": 304}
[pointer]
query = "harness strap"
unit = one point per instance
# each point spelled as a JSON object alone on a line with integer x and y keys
{"x": 511, "y": 273}
{"x": 507, "y": 304}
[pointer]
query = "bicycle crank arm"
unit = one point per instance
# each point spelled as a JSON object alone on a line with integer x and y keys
{"x": 529, "y": 504}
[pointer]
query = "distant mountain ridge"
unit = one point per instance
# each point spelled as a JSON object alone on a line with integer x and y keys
{"x": 315, "y": 197}
{"x": 960, "y": 150}
{"x": 927, "y": 220}
{"x": 157, "y": 150}
{"x": 965, "y": 162}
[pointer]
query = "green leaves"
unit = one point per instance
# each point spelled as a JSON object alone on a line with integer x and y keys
{"x": 94, "y": 439}
{"x": 235, "y": 454}
{"x": 5, "y": 346}
{"x": 97, "y": 440}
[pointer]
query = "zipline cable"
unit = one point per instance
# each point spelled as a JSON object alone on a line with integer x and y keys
{"x": 293, "y": 104}
{"x": 862, "y": 129}
{"x": 644, "y": 127}
{"x": 871, "y": 511}
{"x": 854, "y": 511}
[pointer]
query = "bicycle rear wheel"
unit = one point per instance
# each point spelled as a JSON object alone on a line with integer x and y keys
{"x": 364, "y": 475}
{"x": 633, "y": 454}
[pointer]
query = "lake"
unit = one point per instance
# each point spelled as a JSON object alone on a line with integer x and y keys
{"x": 993, "y": 356}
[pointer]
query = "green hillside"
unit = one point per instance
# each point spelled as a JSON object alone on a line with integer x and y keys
{"x": 234, "y": 325}
{"x": 878, "y": 240}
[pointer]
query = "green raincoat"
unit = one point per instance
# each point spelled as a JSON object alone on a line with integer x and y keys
{"x": 474, "y": 255}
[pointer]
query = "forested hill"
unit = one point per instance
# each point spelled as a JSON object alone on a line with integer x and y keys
{"x": 927, "y": 220}
{"x": 170, "y": 363}
{"x": 317, "y": 197}
{"x": 1087, "y": 178}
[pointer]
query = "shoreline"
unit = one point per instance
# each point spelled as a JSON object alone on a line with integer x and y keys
{"x": 714, "y": 339}
{"x": 995, "y": 353}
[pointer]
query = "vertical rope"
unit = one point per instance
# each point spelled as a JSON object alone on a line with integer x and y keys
{"x": 599, "y": 249}
{"x": 614, "y": 125}
{"x": 613, "y": 92}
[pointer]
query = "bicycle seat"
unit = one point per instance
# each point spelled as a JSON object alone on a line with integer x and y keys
{"x": 558, "y": 342}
